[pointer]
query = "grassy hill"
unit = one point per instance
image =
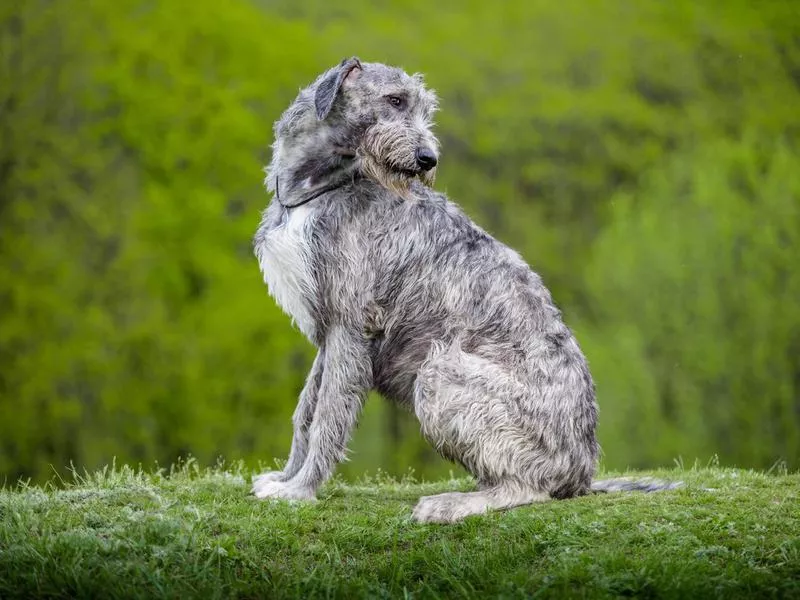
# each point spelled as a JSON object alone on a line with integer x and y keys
{"x": 195, "y": 532}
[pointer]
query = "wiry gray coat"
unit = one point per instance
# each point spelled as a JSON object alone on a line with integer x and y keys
{"x": 403, "y": 293}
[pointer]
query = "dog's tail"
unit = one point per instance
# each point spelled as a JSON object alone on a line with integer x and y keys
{"x": 624, "y": 484}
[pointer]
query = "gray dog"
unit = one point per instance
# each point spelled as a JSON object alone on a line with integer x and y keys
{"x": 401, "y": 292}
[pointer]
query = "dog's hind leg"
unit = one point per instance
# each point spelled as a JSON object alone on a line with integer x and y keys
{"x": 454, "y": 506}
{"x": 467, "y": 406}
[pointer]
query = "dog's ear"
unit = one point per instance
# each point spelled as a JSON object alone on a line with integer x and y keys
{"x": 328, "y": 88}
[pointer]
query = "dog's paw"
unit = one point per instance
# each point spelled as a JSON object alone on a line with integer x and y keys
{"x": 285, "y": 490}
{"x": 267, "y": 477}
{"x": 447, "y": 508}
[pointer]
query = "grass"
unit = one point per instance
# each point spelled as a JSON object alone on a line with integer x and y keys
{"x": 196, "y": 533}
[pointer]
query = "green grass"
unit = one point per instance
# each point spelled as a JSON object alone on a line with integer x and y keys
{"x": 197, "y": 533}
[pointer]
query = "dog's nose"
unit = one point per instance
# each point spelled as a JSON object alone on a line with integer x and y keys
{"x": 426, "y": 159}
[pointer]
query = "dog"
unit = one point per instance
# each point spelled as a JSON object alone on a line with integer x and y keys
{"x": 402, "y": 293}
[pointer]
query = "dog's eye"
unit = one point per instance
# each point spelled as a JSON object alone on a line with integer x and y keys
{"x": 396, "y": 101}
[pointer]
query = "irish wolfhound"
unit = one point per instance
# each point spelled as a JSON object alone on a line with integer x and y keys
{"x": 401, "y": 292}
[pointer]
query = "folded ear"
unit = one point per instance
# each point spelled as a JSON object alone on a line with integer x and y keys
{"x": 328, "y": 88}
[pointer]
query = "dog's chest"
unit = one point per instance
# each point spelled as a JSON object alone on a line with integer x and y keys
{"x": 284, "y": 255}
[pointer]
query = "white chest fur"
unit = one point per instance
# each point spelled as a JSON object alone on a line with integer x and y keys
{"x": 284, "y": 256}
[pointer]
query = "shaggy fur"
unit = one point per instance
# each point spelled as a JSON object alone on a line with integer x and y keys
{"x": 401, "y": 292}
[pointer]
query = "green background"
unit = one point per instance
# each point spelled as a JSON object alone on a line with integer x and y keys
{"x": 643, "y": 156}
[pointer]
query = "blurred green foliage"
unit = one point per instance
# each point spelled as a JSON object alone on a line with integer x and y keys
{"x": 643, "y": 156}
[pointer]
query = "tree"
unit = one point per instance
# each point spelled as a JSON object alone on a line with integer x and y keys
{"x": 696, "y": 345}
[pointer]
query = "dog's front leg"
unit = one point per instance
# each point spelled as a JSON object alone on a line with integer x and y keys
{"x": 346, "y": 379}
{"x": 301, "y": 423}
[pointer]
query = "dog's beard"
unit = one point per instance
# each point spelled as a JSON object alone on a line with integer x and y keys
{"x": 428, "y": 177}
{"x": 397, "y": 180}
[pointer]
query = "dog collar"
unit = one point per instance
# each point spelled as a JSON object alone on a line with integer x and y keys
{"x": 314, "y": 193}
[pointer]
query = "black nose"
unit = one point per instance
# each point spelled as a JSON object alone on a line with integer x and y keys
{"x": 426, "y": 159}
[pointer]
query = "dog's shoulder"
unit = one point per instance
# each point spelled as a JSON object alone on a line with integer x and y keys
{"x": 444, "y": 218}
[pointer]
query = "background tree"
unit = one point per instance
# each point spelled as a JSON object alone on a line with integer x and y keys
{"x": 642, "y": 156}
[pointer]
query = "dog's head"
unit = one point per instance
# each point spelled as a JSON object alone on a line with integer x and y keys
{"x": 365, "y": 117}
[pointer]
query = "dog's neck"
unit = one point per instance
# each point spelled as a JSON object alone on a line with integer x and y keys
{"x": 318, "y": 171}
